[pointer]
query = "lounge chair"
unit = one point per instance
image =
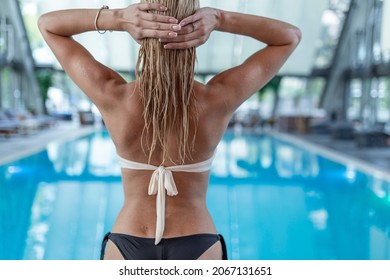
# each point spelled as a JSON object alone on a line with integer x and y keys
{"x": 86, "y": 118}
{"x": 29, "y": 122}
{"x": 343, "y": 130}
{"x": 7, "y": 126}
{"x": 8, "y": 129}
{"x": 375, "y": 136}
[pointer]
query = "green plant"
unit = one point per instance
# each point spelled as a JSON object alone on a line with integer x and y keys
{"x": 272, "y": 85}
{"x": 45, "y": 81}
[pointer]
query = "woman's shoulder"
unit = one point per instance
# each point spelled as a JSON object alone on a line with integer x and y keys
{"x": 209, "y": 96}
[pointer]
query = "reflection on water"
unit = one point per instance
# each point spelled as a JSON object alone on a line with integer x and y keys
{"x": 249, "y": 156}
{"x": 270, "y": 199}
{"x": 91, "y": 156}
{"x": 58, "y": 203}
{"x": 281, "y": 201}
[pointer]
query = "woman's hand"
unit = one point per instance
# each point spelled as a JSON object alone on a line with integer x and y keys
{"x": 195, "y": 31}
{"x": 140, "y": 23}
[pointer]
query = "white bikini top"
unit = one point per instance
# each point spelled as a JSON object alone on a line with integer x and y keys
{"x": 161, "y": 180}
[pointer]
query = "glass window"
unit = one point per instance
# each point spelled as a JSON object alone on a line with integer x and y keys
{"x": 301, "y": 96}
{"x": 385, "y": 38}
{"x": 333, "y": 20}
{"x": 291, "y": 94}
{"x": 5, "y": 90}
{"x": 383, "y": 112}
{"x": 355, "y": 90}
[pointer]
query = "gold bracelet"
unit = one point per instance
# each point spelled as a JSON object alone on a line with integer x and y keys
{"x": 104, "y": 7}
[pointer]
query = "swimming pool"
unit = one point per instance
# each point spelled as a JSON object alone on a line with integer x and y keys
{"x": 271, "y": 199}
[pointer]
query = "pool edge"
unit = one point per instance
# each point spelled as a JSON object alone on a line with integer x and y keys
{"x": 337, "y": 156}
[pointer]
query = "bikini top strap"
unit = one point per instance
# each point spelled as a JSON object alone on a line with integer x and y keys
{"x": 198, "y": 167}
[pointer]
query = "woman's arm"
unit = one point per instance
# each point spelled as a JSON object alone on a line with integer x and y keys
{"x": 239, "y": 83}
{"x": 91, "y": 76}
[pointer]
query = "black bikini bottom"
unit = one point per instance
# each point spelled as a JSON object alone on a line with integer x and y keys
{"x": 189, "y": 247}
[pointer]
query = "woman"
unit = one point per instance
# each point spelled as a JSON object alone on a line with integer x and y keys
{"x": 166, "y": 126}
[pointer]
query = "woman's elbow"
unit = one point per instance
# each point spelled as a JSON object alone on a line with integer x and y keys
{"x": 296, "y": 36}
{"x": 43, "y": 23}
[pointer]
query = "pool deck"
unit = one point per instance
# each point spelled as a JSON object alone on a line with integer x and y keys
{"x": 18, "y": 146}
{"x": 369, "y": 159}
{"x": 379, "y": 157}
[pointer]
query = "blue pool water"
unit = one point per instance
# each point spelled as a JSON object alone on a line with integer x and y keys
{"x": 269, "y": 198}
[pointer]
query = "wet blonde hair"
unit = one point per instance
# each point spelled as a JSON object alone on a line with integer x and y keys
{"x": 166, "y": 81}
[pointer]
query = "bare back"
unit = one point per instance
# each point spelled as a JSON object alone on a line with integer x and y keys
{"x": 125, "y": 124}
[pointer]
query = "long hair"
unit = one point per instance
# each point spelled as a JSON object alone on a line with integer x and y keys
{"x": 166, "y": 81}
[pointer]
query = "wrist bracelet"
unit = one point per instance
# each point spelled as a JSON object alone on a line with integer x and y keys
{"x": 104, "y": 7}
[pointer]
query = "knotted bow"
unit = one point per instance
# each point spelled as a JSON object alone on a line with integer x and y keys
{"x": 162, "y": 179}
